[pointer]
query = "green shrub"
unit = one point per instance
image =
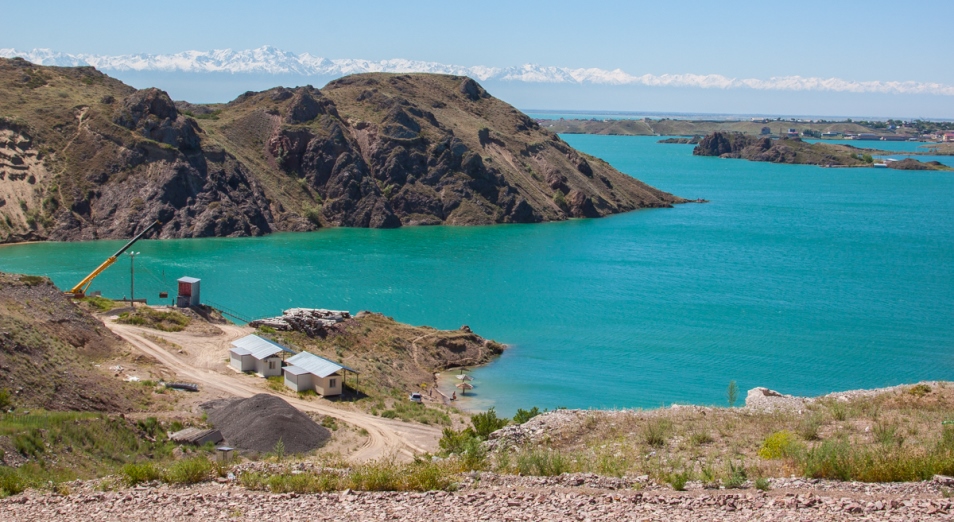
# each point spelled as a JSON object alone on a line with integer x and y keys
{"x": 276, "y": 383}
{"x": 735, "y": 476}
{"x": 313, "y": 214}
{"x": 701, "y": 438}
{"x": 252, "y": 480}
{"x": 525, "y": 415}
{"x": 6, "y": 401}
{"x": 778, "y": 445}
{"x": 828, "y": 460}
{"x": 329, "y": 422}
{"x": 544, "y": 463}
{"x": 375, "y": 476}
{"x": 560, "y": 199}
{"x": 138, "y": 473}
{"x": 656, "y": 432}
{"x": 454, "y": 442}
{"x": 100, "y": 303}
{"x": 732, "y": 393}
{"x": 808, "y": 428}
{"x": 762, "y": 484}
{"x": 487, "y": 423}
{"x": 887, "y": 434}
{"x": 420, "y": 475}
{"x": 279, "y": 449}
{"x": 31, "y": 280}
{"x": 425, "y": 475}
{"x": 678, "y": 480}
{"x": 838, "y": 409}
{"x": 188, "y": 471}
{"x": 11, "y": 483}
{"x": 30, "y": 443}
{"x": 150, "y": 426}
{"x": 389, "y": 414}
{"x": 919, "y": 390}
{"x": 473, "y": 456}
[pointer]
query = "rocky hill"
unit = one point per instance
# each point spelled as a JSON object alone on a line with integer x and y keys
{"x": 48, "y": 349}
{"x": 83, "y": 156}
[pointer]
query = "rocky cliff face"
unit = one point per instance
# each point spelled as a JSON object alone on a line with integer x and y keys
{"x": 83, "y": 156}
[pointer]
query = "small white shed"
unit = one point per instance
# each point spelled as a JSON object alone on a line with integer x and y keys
{"x": 254, "y": 353}
{"x": 306, "y": 371}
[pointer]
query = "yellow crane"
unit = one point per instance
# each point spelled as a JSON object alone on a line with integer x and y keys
{"x": 80, "y": 289}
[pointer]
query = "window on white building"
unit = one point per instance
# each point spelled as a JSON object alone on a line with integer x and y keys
{"x": 331, "y": 383}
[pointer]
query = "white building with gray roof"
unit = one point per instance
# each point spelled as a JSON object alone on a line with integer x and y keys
{"x": 307, "y": 371}
{"x": 256, "y": 354}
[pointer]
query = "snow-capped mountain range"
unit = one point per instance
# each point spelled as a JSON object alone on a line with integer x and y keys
{"x": 270, "y": 60}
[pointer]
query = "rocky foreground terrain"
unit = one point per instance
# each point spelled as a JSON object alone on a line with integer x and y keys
{"x": 493, "y": 497}
{"x": 84, "y": 156}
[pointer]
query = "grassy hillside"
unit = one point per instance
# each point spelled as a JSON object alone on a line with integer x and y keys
{"x": 49, "y": 349}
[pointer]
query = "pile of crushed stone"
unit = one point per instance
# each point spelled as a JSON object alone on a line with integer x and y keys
{"x": 258, "y": 422}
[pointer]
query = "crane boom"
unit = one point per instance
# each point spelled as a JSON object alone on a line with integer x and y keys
{"x": 80, "y": 289}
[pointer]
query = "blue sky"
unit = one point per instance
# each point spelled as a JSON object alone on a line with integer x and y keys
{"x": 858, "y": 41}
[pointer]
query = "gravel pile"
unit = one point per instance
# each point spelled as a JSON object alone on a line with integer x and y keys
{"x": 259, "y": 422}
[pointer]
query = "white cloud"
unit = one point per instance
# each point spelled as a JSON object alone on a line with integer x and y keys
{"x": 269, "y": 60}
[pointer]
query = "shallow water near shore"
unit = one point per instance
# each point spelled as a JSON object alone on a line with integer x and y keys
{"x": 802, "y": 279}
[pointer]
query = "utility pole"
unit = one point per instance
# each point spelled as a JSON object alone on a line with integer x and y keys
{"x": 132, "y": 278}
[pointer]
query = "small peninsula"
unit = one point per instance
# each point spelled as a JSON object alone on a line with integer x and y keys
{"x": 796, "y": 151}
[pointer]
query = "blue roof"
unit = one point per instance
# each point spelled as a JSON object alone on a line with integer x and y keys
{"x": 319, "y": 366}
{"x": 258, "y": 347}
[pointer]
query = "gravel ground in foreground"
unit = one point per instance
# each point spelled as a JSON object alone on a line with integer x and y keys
{"x": 579, "y": 497}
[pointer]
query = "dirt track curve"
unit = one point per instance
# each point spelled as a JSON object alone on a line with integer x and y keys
{"x": 385, "y": 438}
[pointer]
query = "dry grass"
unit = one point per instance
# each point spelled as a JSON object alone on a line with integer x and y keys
{"x": 897, "y": 435}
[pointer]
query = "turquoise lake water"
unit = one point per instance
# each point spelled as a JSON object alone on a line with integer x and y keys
{"x": 802, "y": 279}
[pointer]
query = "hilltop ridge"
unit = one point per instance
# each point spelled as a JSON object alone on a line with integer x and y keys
{"x": 84, "y": 156}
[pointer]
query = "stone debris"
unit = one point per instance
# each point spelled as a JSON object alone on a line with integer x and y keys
{"x": 765, "y": 399}
{"x": 310, "y": 321}
{"x": 487, "y": 496}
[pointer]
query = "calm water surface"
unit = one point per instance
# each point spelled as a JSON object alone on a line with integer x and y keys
{"x": 798, "y": 278}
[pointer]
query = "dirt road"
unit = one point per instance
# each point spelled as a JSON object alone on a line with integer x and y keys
{"x": 386, "y": 438}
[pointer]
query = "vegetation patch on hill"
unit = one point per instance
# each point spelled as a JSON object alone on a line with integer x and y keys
{"x": 163, "y": 320}
{"x": 44, "y": 449}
